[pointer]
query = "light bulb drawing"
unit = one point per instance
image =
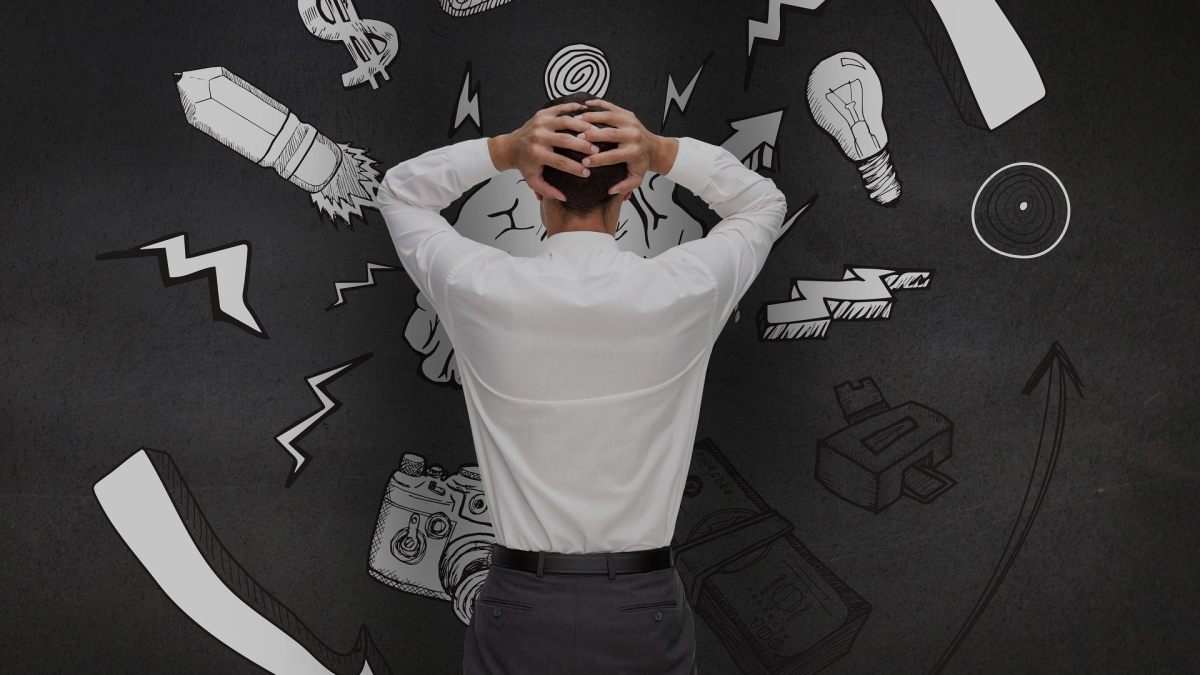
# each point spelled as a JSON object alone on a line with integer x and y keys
{"x": 845, "y": 98}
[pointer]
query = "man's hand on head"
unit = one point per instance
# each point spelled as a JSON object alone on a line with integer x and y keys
{"x": 640, "y": 149}
{"x": 531, "y": 148}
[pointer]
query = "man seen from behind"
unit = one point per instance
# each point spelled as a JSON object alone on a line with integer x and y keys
{"x": 582, "y": 369}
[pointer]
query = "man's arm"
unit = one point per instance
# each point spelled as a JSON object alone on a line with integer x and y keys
{"x": 413, "y": 193}
{"x": 411, "y": 196}
{"x": 751, "y": 207}
{"x": 752, "y": 211}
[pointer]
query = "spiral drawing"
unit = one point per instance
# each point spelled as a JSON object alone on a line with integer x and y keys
{"x": 1021, "y": 211}
{"x": 577, "y": 68}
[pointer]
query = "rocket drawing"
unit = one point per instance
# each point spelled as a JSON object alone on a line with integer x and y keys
{"x": 339, "y": 177}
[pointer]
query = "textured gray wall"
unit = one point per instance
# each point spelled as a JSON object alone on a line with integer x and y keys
{"x": 98, "y": 358}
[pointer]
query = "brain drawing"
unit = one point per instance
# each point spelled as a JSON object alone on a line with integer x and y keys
{"x": 504, "y": 214}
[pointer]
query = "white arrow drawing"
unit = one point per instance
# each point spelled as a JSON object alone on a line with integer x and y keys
{"x": 753, "y": 139}
{"x": 153, "y": 511}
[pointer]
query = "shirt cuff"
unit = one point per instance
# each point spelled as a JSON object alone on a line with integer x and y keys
{"x": 693, "y": 164}
{"x": 472, "y": 161}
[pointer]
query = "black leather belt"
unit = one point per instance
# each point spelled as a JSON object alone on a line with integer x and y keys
{"x": 612, "y": 564}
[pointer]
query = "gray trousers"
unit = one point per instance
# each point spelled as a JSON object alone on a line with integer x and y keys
{"x": 573, "y": 624}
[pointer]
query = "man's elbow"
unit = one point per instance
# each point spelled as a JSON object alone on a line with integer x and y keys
{"x": 774, "y": 203}
{"x": 779, "y": 201}
{"x": 385, "y": 194}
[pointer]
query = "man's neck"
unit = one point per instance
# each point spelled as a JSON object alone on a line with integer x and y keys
{"x": 589, "y": 223}
{"x": 579, "y": 227}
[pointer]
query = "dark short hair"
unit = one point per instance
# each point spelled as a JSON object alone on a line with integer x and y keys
{"x": 584, "y": 195}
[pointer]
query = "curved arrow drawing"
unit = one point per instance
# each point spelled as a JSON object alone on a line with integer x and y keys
{"x": 156, "y": 515}
{"x": 1039, "y": 480}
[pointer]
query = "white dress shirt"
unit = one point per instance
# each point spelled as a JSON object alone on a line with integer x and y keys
{"x": 582, "y": 367}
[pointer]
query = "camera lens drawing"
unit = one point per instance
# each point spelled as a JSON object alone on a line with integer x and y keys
{"x": 1021, "y": 211}
{"x": 421, "y": 547}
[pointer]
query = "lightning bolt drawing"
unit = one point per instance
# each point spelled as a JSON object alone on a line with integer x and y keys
{"x": 680, "y": 100}
{"x": 753, "y": 140}
{"x": 862, "y": 294}
{"x": 771, "y": 28}
{"x": 317, "y": 382}
{"x": 227, "y": 269}
{"x": 340, "y": 286}
{"x": 468, "y": 104}
{"x": 787, "y": 226}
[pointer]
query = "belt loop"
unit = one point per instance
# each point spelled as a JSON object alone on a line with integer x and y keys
{"x": 608, "y": 560}
{"x": 541, "y": 562}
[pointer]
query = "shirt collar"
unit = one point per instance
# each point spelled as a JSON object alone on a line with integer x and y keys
{"x": 581, "y": 239}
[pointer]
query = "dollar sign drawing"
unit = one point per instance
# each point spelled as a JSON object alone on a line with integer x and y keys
{"x": 373, "y": 44}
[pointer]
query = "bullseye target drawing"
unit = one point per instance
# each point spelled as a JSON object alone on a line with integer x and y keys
{"x": 1021, "y": 211}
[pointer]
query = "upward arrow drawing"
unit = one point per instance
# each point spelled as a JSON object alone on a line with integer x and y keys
{"x": 1059, "y": 367}
{"x": 753, "y": 139}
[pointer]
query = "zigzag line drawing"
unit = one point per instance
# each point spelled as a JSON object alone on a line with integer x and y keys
{"x": 340, "y": 286}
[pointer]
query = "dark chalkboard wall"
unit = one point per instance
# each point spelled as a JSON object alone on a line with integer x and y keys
{"x": 100, "y": 358}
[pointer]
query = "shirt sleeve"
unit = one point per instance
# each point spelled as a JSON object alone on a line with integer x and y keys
{"x": 411, "y": 196}
{"x": 752, "y": 210}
